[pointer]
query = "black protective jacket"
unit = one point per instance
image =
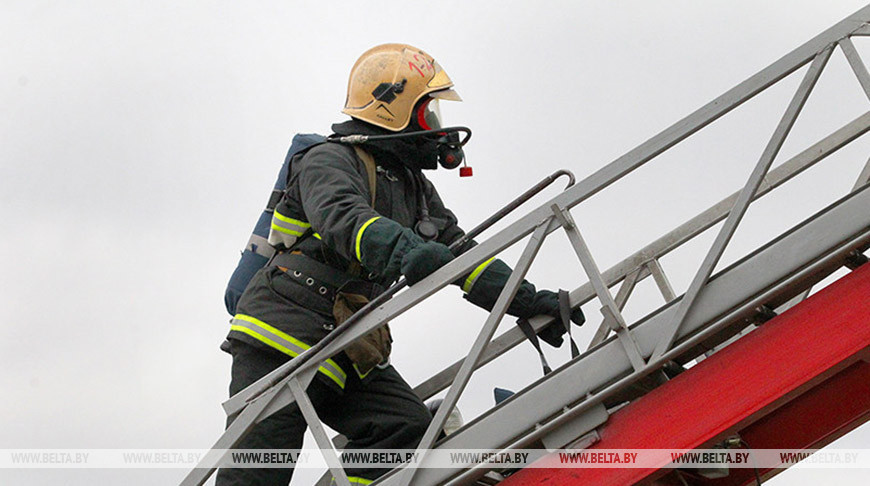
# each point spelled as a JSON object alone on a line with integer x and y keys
{"x": 326, "y": 214}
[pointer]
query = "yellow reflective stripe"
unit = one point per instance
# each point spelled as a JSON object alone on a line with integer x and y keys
{"x": 285, "y": 230}
{"x": 360, "y": 233}
{"x": 340, "y": 379}
{"x": 316, "y": 236}
{"x": 355, "y": 480}
{"x": 286, "y": 219}
{"x": 259, "y": 337}
{"x": 288, "y": 225}
{"x": 469, "y": 282}
{"x": 360, "y": 373}
{"x": 284, "y": 335}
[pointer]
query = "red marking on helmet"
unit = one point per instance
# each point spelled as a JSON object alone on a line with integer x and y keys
{"x": 413, "y": 66}
{"x": 425, "y": 64}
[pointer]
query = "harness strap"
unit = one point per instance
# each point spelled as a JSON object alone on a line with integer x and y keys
{"x": 371, "y": 169}
{"x": 531, "y": 336}
{"x": 565, "y": 314}
{"x": 274, "y": 199}
{"x": 565, "y": 317}
{"x": 321, "y": 278}
{"x": 321, "y": 272}
{"x": 355, "y": 269}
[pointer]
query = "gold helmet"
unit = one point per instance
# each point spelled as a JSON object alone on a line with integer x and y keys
{"x": 388, "y": 80}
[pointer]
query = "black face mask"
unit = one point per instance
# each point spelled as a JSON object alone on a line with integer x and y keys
{"x": 450, "y": 154}
{"x": 413, "y": 148}
{"x": 415, "y": 153}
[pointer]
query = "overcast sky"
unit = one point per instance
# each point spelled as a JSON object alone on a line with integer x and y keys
{"x": 140, "y": 140}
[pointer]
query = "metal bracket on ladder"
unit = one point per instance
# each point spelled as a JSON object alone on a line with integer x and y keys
{"x": 661, "y": 279}
{"x": 622, "y": 295}
{"x": 632, "y": 278}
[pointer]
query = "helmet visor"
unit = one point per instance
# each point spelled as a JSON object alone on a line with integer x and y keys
{"x": 428, "y": 114}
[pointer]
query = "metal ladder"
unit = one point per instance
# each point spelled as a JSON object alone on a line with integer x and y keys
{"x": 564, "y": 407}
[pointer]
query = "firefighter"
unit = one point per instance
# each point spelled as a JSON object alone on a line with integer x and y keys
{"x": 351, "y": 222}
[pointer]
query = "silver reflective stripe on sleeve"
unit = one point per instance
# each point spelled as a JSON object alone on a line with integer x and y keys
{"x": 260, "y": 246}
{"x": 286, "y": 230}
{"x": 283, "y": 342}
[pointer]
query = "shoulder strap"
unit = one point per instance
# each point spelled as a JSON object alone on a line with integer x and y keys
{"x": 354, "y": 268}
{"x": 371, "y": 169}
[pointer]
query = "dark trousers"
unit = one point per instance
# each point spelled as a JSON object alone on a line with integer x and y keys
{"x": 380, "y": 413}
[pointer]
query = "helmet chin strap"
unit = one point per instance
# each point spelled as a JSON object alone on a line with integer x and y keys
{"x": 450, "y": 153}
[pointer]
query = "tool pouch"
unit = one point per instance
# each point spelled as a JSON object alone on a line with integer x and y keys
{"x": 372, "y": 349}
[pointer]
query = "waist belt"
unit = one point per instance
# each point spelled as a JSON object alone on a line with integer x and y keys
{"x": 321, "y": 278}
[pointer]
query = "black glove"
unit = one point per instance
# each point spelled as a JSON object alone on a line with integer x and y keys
{"x": 527, "y": 303}
{"x": 424, "y": 259}
{"x": 547, "y": 303}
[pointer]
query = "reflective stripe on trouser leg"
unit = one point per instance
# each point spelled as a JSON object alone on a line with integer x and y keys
{"x": 285, "y": 343}
{"x": 355, "y": 480}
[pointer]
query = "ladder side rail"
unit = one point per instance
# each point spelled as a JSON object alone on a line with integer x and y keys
{"x": 747, "y": 195}
{"x": 816, "y": 246}
{"x": 666, "y": 243}
{"x": 863, "y": 178}
{"x": 861, "y": 73}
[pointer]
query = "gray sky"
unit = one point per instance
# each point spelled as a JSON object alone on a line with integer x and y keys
{"x": 140, "y": 142}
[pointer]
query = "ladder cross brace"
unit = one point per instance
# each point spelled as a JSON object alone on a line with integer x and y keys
{"x": 612, "y": 314}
